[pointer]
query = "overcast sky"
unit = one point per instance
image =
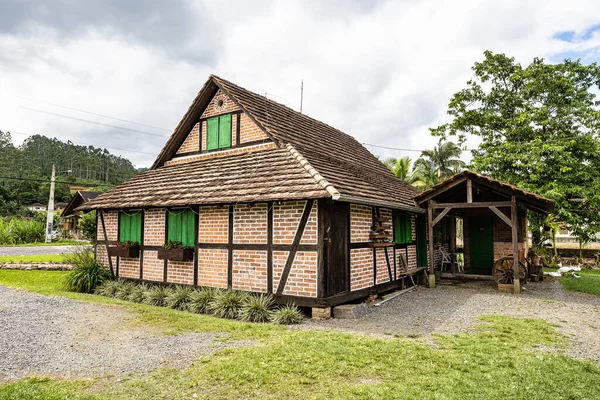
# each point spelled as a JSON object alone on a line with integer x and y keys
{"x": 382, "y": 72}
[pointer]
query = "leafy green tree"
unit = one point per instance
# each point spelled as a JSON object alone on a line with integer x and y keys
{"x": 401, "y": 167}
{"x": 425, "y": 173}
{"x": 538, "y": 127}
{"x": 88, "y": 226}
{"x": 444, "y": 158}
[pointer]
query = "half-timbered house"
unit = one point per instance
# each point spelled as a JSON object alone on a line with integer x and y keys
{"x": 269, "y": 200}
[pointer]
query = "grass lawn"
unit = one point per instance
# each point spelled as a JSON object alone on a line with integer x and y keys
{"x": 501, "y": 359}
{"x": 61, "y": 242}
{"x": 588, "y": 283}
{"x": 39, "y": 258}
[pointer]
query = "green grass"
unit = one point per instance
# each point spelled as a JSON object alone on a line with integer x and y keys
{"x": 60, "y": 242}
{"x": 39, "y": 258}
{"x": 588, "y": 283}
{"x": 501, "y": 359}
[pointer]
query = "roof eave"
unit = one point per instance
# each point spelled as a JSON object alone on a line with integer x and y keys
{"x": 381, "y": 203}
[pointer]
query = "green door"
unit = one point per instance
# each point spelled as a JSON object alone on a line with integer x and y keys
{"x": 481, "y": 242}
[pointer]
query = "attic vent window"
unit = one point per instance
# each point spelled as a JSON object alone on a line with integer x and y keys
{"x": 220, "y": 103}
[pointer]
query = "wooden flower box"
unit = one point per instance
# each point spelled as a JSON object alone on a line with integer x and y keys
{"x": 126, "y": 252}
{"x": 186, "y": 254}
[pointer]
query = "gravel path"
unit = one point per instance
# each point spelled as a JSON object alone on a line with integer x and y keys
{"x": 453, "y": 308}
{"x": 55, "y": 336}
{"x": 35, "y": 250}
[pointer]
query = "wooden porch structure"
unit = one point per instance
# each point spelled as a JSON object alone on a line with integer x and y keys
{"x": 471, "y": 196}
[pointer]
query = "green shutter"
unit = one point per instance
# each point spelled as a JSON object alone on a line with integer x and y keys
{"x": 398, "y": 234}
{"x": 407, "y": 228}
{"x": 124, "y": 227}
{"x": 225, "y": 131}
{"x": 212, "y": 136}
{"x": 136, "y": 227}
{"x": 174, "y": 226}
{"x": 188, "y": 228}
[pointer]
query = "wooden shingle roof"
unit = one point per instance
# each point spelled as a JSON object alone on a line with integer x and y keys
{"x": 349, "y": 170}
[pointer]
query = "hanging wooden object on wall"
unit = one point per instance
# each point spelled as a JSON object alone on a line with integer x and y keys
{"x": 381, "y": 232}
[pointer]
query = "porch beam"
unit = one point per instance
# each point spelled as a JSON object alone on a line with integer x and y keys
{"x": 515, "y": 243}
{"x": 477, "y": 204}
{"x": 430, "y": 238}
{"x": 469, "y": 191}
{"x": 442, "y": 215}
{"x": 502, "y": 216}
{"x": 453, "y": 242}
{"x": 442, "y": 189}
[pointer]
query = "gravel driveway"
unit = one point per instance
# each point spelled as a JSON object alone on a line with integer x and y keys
{"x": 35, "y": 250}
{"x": 453, "y": 308}
{"x": 55, "y": 336}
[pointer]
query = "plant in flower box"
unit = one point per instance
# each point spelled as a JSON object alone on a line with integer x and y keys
{"x": 176, "y": 251}
{"x": 127, "y": 249}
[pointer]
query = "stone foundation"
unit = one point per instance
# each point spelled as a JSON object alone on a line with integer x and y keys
{"x": 37, "y": 266}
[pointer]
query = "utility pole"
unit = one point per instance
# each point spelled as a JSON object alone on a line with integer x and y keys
{"x": 50, "y": 217}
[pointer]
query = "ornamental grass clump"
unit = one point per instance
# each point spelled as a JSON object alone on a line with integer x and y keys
{"x": 179, "y": 297}
{"x": 257, "y": 308}
{"x": 157, "y": 295}
{"x": 288, "y": 315}
{"x": 228, "y": 303}
{"x": 124, "y": 291}
{"x": 87, "y": 274}
{"x": 138, "y": 293}
{"x": 109, "y": 288}
{"x": 200, "y": 300}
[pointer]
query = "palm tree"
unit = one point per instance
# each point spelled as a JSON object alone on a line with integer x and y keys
{"x": 444, "y": 158}
{"x": 425, "y": 174}
{"x": 401, "y": 168}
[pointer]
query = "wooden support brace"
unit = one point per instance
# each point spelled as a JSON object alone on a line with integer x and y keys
{"x": 442, "y": 215}
{"x": 502, "y": 216}
{"x": 112, "y": 271}
{"x": 469, "y": 191}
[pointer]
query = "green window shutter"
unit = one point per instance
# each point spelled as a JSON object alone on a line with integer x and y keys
{"x": 225, "y": 131}
{"x": 408, "y": 228}
{"x": 188, "y": 225}
{"x": 212, "y": 135}
{"x": 174, "y": 226}
{"x": 136, "y": 227}
{"x": 398, "y": 229}
{"x": 124, "y": 227}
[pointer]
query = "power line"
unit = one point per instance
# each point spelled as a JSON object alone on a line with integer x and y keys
{"x": 46, "y": 181}
{"x": 86, "y": 144}
{"x": 89, "y": 112}
{"x": 93, "y": 122}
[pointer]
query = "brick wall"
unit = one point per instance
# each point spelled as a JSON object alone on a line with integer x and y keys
{"x": 286, "y": 217}
{"x": 250, "y": 270}
{"x": 192, "y": 141}
{"x": 249, "y": 131}
{"x": 214, "y": 225}
{"x": 302, "y": 280}
{"x": 213, "y": 107}
{"x": 212, "y": 267}
{"x": 250, "y": 223}
{"x": 382, "y": 268}
{"x": 111, "y": 221}
{"x": 180, "y": 272}
{"x": 129, "y": 267}
{"x": 222, "y": 153}
{"x": 153, "y": 267}
{"x": 361, "y": 220}
{"x": 361, "y": 268}
{"x": 154, "y": 227}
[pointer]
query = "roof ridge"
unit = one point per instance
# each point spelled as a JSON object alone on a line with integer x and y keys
{"x": 319, "y": 179}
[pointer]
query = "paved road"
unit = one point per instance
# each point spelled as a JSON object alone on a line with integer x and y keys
{"x": 35, "y": 250}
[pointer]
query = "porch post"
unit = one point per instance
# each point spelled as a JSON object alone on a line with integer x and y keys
{"x": 453, "y": 242}
{"x": 430, "y": 244}
{"x": 515, "y": 243}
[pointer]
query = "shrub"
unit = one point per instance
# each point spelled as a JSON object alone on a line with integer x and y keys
{"x": 179, "y": 298}
{"x": 124, "y": 291}
{"x": 200, "y": 300}
{"x": 156, "y": 295}
{"x": 288, "y": 315}
{"x": 88, "y": 227}
{"x": 109, "y": 288}
{"x": 228, "y": 303}
{"x": 86, "y": 274}
{"x": 18, "y": 231}
{"x": 257, "y": 308}
{"x": 138, "y": 293}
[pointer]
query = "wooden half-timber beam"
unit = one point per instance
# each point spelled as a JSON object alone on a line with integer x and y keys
{"x": 478, "y": 204}
{"x": 469, "y": 191}
{"x": 112, "y": 271}
{"x": 442, "y": 215}
{"x": 430, "y": 238}
{"x": 453, "y": 242}
{"x": 295, "y": 244}
{"x": 502, "y": 216}
{"x": 515, "y": 243}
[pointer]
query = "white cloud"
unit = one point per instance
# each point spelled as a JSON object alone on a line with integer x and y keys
{"x": 382, "y": 73}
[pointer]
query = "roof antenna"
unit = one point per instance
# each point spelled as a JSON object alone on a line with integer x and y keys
{"x": 301, "y": 94}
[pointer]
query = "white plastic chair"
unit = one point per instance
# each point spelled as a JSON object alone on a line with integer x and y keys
{"x": 447, "y": 260}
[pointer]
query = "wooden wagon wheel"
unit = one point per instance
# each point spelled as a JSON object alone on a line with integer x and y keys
{"x": 504, "y": 273}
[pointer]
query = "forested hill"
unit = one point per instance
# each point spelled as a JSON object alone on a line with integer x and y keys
{"x": 25, "y": 170}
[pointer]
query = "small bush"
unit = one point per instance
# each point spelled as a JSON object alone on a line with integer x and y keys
{"x": 179, "y": 297}
{"x": 138, "y": 293}
{"x": 86, "y": 274}
{"x": 108, "y": 288}
{"x": 288, "y": 315}
{"x": 157, "y": 295}
{"x": 257, "y": 308}
{"x": 228, "y": 303}
{"x": 124, "y": 291}
{"x": 200, "y": 300}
